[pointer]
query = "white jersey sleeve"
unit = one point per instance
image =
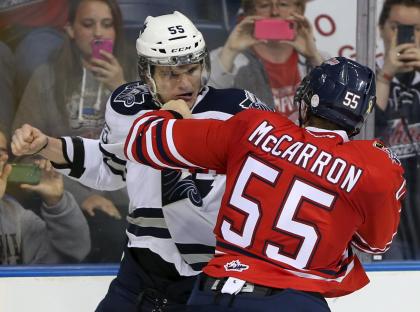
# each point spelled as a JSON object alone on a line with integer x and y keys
{"x": 101, "y": 164}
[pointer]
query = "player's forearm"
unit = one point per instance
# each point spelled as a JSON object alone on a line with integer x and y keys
{"x": 54, "y": 151}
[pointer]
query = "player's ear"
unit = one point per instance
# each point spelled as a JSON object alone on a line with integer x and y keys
{"x": 69, "y": 30}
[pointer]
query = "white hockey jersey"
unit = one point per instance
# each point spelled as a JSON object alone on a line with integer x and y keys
{"x": 171, "y": 212}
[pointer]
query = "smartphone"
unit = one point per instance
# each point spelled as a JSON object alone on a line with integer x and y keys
{"x": 274, "y": 29}
{"x": 101, "y": 44}
{"x": 25, "y": 174}
{"x": 405, "y": 34}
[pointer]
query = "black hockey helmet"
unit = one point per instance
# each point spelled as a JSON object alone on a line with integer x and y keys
{"x": 339, "y": 90}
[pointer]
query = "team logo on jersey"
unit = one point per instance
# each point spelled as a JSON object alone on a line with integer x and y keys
{"x": 175, "y": 188}
{"x": 131, "y": 95}
{"x": 390, "y": 152}
{"x": 251, "y": 101}
{"x": 236, "y": 265}
{"x": 129, "y": 99}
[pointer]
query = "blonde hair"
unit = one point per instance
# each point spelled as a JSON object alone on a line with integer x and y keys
{"x": 249, "y": 6}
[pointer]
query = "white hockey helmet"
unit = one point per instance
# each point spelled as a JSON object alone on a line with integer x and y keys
{"x": 170, "y": 40}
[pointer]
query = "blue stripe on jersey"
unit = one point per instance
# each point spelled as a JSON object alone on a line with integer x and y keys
{"x": 147, "y": 213}
{"x": 195, "y": 248}
{"x": 139, "y": 150}
{"x": 112, "y": 156}
{"x": 77, "y": 165}
{"x": 148, "y": 231}
{"x": 116, "y": 172}
{"x": 160, "y": 147}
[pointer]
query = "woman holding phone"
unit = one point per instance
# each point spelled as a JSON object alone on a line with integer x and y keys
{"x": 72, "y": 89}
{"x": 397, "y": 113}
{"x": 68, "y": 95}
{"x": 270, "y": 64}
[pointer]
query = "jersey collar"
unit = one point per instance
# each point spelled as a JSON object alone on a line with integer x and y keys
{"x": 328, "y": 133}
{"x": 200, "y": 96}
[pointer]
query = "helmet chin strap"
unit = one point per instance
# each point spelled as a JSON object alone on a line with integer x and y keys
{"x": 151, "y": 83}
{"x": 153, "y": 91}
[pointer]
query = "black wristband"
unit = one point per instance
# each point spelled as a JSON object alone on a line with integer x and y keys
{"x": 175, "y": 114}
{"x": 45, "y": 145}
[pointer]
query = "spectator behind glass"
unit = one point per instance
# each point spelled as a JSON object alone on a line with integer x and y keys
{"x": 398, "y": 113}
{"x": 272, "y": 70}
{"x": 62, "y": 235}
{"x": 7, "y": 95}
{"x": 35, "y": 26}
{"x": 68, "y": 95}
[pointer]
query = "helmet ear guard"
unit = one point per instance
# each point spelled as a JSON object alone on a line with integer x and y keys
{"x": 339, "y": 90}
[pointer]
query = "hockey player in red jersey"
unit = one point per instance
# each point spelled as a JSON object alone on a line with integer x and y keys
{"x": 296, "y": 197}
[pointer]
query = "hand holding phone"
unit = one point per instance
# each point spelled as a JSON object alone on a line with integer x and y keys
{"x": 274, "y": 29}
{"x": 101, "y": 44}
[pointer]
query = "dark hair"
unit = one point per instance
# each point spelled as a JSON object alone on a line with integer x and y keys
{"x": 116, "y": 18}
{"x": 388, "y": 4}
{"x": 68, "y": 66}
{"x": 249, "y": 6}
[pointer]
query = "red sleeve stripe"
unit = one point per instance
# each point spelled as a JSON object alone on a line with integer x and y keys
{"x": 162, "y": 146}
{"x": 361, "y": 244}
{"x": 130, "y": 143}
{"x": 172, "y": 148}
{"x": 150, "y": 147}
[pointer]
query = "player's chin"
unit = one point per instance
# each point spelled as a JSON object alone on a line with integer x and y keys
{"x": 188, "y": 98}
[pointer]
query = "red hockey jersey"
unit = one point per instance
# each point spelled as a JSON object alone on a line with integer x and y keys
{"x": 295, "y": 198}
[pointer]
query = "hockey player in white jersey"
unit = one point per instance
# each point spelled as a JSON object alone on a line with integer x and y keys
{"x": 171, "y": 213}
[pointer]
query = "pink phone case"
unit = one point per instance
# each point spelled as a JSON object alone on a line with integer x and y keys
{"x": 274, "y": 29}
{"x": 101, "y": 44}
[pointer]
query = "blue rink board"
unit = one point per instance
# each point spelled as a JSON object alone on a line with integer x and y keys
{"x": 111, "y": 269}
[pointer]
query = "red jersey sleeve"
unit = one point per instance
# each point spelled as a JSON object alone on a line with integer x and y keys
{"x": 158, "y": 140}
{"x": 381, "y": 201}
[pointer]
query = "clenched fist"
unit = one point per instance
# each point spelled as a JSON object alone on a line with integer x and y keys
{"x": 179, "y": 106}
{"x": 28, "y": 140}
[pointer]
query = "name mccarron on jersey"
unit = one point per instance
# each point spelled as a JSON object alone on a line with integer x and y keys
{"x": 299, "y": 153}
